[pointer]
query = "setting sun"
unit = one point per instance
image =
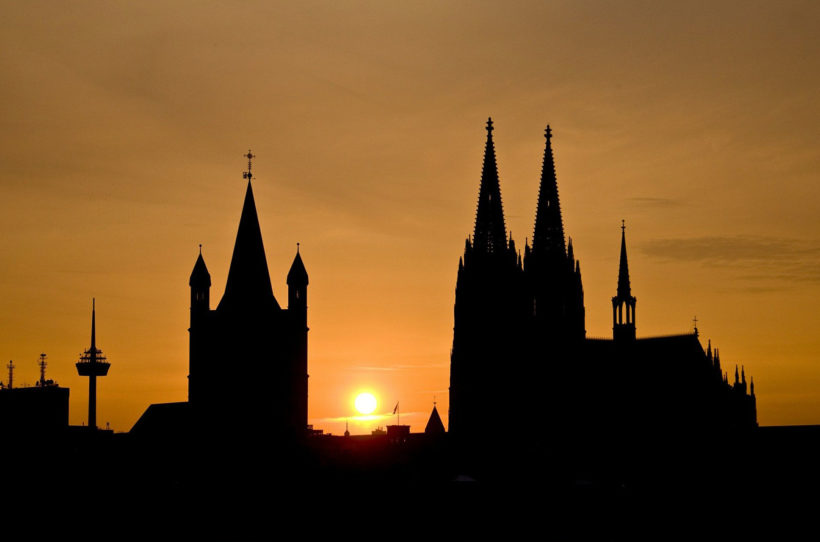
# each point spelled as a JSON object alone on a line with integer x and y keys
{"x": 365, "y": 403}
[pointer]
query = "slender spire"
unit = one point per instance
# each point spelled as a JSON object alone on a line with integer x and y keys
{"x": 548, "y": 236}
{"x": 490, "y": 234}
{"x": 624, "y": 289}
{"x": 248, "y": 282}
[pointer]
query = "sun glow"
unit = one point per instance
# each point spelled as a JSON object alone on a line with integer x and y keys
{"x": 365, "y": 403}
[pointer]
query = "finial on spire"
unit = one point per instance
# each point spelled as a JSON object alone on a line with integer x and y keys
{"x": 623, "y": 226}
{"x": 695, "y": 321}
{"x": 297, "y": 247}
{"x": 247, "y": 174}
{"x": 200, "y": 249}
{"x": 489, "y": 125}
{"x": 548, "y": 133}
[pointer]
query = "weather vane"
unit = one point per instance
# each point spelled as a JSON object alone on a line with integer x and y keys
{"x": 247, "y": 174}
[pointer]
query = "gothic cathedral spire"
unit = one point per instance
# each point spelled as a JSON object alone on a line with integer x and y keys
{"x": 490, "y": 236}
{"x": 548, "y": 237}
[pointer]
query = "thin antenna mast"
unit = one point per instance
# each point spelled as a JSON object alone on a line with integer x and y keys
{"x": 42, "y": 363}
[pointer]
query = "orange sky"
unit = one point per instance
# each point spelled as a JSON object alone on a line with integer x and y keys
{"x": 123, "y": 125}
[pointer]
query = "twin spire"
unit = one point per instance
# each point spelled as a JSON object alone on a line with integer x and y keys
{"x": 548, "y": 237}
{"x": 490, "y": 235}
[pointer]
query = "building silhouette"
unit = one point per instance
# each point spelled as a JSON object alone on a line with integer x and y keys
{"x": 520, "y": 329}
{"x": 247, "y": 329}
{"x": 33, "y": 411}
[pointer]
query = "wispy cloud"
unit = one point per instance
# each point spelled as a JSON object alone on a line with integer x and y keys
{"x": 755, "y": 258}
{"x": 368, "y": 418}
{"x": 398, "y": 367}
{"x": 656, "y": 203}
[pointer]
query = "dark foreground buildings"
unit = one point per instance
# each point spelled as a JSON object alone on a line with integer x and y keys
{"x": 608, "y": 434}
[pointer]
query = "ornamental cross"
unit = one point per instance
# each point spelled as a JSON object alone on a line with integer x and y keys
{"x": 247, "y": 174}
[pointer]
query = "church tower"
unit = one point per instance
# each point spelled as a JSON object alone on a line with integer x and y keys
{"x": 487, "y": 333}
{"x": 623, "y": 304}
{"x": 248, "y": 356}
{"x": 554, "y": 276}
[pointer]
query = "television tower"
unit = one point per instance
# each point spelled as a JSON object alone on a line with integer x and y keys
{"x": 92, "y": 364}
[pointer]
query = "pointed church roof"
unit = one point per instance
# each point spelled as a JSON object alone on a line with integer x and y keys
{"x": 490, "y": 234}
{"x": 248, "y": 283}
{"x": 200, "y": 276}
{"x": 434, "y": 424}
{"x": 624, "y": 291}
{"x": 548, "y": 236}
{"x": 297, "y": 274}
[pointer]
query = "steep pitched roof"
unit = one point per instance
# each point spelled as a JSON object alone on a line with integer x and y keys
{"x": 434, "y": 424}
{"x": 297, "y": 274}
{"x": 200, "y": 276}
{"x": 248, "y": 285}
{"x": 490, "y": 235}
{"x": 548, "y": 237}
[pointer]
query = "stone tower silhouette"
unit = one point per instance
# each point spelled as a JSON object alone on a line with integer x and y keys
{"x": 248, "y": 357}
{"x": 489, "y": 294}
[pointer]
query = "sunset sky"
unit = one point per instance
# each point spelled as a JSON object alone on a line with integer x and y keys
{"x": 123, "y": 127}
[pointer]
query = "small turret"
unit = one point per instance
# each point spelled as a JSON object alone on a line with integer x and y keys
{"x": 297, "y": 283}
{"x": 200, "y": 283}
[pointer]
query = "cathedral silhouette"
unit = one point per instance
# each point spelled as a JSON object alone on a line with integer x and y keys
{"x": 520, "y": 329}
{"x": 601, "y": 428}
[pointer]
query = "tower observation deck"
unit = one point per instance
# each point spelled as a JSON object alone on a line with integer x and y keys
{"x": 92, "y": 364}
